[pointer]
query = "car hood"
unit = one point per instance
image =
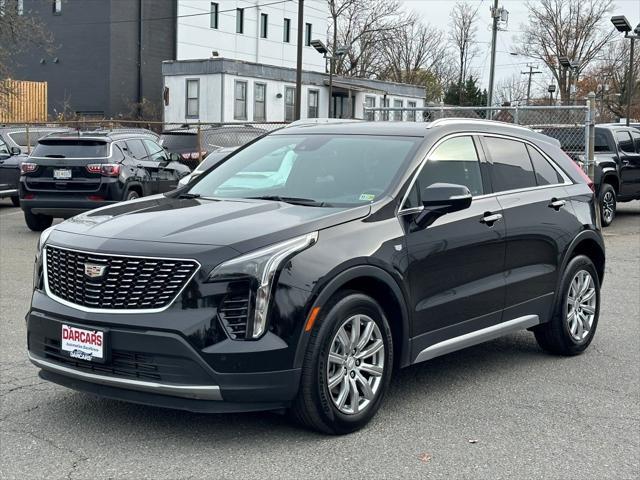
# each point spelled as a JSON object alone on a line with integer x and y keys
{"x": 241, "y": 224}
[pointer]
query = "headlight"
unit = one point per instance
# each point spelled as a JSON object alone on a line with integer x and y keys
{"x": 260, "y": 268}
{"x": 44, "y": 236}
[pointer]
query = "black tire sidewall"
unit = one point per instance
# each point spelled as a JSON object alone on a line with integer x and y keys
{"x": 132, "y": 195}
{"x": 37, "y": 222}
{"x": 603, "y": 191}
{"x": 574, "y": 266}
{"x": 346, "y": 307}
{"x": 15, "y": 201}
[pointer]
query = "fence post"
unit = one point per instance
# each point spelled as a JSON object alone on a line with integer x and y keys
{"x": 591, "y": 131}
{"x": 516, "y": 120}
{"x": 441, "y": 109}
{"x": 199, "y": 144}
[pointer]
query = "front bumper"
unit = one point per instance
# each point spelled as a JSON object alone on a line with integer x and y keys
{"x": 155, "y": 368}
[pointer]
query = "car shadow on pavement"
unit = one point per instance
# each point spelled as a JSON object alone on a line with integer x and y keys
{"x": 411, "y": 388}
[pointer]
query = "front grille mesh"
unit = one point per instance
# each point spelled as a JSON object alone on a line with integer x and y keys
{"x": 233, "y": 312}
{"x": 127, "y": 283}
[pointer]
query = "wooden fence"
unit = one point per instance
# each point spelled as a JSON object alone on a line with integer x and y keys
{"x": 26, "y": 102}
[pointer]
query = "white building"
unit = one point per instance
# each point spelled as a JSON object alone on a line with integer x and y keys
{"x": 236, "y": 63}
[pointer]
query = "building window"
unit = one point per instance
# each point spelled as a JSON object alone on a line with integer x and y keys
{"x": 411, "y": 115}
{"x": 264, "y": 24}
{"x": 259, "y": 105}
{"x": 193, "y": 98}
{"x": 369, "y": 102}
{"x": 286, "y": 33}
{"x": 57, "y": 7}
{"x": 313, "y": 102}
{"x": 397, "y": 115}
{"x": 289, "y": 104}
{"x": 214, "y": 15}
{"x": 239, "y": 20}
{"x": 240, "y": 104}
{"x": 384, "y": 103}
{"x": 307, "y": 34}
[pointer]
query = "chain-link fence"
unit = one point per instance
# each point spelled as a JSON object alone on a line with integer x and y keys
{"x": 192, "y": 141}
{"x": 567, "y": 124}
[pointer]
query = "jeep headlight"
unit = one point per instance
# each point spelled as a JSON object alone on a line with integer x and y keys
{"x": 260, "y": 268}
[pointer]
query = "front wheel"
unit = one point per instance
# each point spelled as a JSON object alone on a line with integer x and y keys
{"x": 37, "y": 222}
{"x": 347, "y": 367}
{"x": 577, "y": 309}
{"x": 607, "y": 200}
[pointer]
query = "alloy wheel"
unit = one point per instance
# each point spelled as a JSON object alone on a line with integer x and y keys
{"x": 581, "y": 305}
{"x": 356, "y": 364}
{"x": 608, "y": 206}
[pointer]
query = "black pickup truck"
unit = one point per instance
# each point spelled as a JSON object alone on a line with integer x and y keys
{"x": 617, "y": 162}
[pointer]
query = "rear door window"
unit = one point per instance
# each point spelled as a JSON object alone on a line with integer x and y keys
{"x": 636, "y": 140}
{"x": 625, "y": 142}
{"x": 512, "y": 168}
{"x": 156, "y": 152}
{"x": 546, "y": 174}
{"x": 136, "y": 149}
{"x": 71, "y": 148}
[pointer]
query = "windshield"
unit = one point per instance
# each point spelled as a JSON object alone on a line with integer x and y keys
{"x": 332, "y": 170}
{"x": 70, "y": 149}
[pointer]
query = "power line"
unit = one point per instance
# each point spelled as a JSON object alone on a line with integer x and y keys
{"x": 173, "y": 17}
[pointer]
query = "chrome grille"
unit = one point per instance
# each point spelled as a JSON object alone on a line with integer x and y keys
{"x": 128, "y": 283}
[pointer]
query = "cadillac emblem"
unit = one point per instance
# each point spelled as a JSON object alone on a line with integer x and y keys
{"x": 92, "y": 270}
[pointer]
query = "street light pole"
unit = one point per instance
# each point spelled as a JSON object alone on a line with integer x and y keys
{"x": 298, "y": 108}
{"x": 622, "y": 25}
{"x": 630, "y": 81}
{"x": 331, "y": 60}
{"x": 494, "y": 34}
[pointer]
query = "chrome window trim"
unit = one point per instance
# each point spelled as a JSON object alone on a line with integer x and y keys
{"x": 201, "y": 392}
{"x": 408, "y": 211}
{"x": 112, "y": 310}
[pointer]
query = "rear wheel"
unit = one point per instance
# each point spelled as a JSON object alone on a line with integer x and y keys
{"x": 347, "y": 367}
{"x": 607, "y": 200}
{"x": 575, "y": 318}
{"x": 37, "y": 222}
{"x": 16, "y": 201}
{"x": 132, "y": 194}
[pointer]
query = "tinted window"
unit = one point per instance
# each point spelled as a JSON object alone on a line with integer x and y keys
{"x": 601, "y": 144}
{"x": 136, "y": 149}
{"x": 545, "y": 173}
{"x": 180, "y": 142}
{"x": 625, "y": 142}
{"x": 636, "y": 140}
{"x": 71, "y": 149}
{"x": 337, "y": 169}
{"x": 511, "y": 165}
{"x": 3, "y": 148}
{"x": 156, "y": 152}
{"x": 20, "y": 138}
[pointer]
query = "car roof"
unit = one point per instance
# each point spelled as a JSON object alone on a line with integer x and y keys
{"x": 105, "y": 135}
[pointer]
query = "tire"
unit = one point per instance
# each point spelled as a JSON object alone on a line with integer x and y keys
{"x": 37, "y": 222}
{"x": 132, "y": 194}
{"x": 562, "y": 336}
{"x": 15, "y": 201}
{"x": 608, "y": 203}
{"x": 317, "y": 406}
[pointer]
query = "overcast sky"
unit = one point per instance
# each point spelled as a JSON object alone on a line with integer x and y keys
{"x": 437, "y": 13}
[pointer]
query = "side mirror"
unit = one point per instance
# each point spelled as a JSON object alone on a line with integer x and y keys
{"x": 15, "y": 151}
{"x": 174, "y": 157}
{"x": 439, "y": 199}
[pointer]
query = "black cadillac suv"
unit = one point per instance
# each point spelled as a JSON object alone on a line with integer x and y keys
{"x": 73, "y": 172}
{"x": 313, "y": 261}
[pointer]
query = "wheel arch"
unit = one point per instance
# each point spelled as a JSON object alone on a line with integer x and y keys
{"x": 382, "y": 287}
{"x": 590, "y": 244}
{"x": 612, "y": 179}
{"x": 133, "y": 185}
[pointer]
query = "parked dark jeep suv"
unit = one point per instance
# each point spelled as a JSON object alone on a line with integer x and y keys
{"x": 71, "y": 173}
{"x": 303, "y": 269}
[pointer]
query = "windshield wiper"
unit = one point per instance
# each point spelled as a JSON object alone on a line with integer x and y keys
{"x": 308, "y": 202}
{"x": 189, "y": 195}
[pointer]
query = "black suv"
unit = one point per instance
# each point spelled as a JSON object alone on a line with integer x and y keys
{"x": 71, "y": 173}
{"x": 311, "y": 262}
{"x": 617, "y": 162}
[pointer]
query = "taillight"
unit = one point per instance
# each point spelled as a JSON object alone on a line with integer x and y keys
{"x": 584, "y": 176}
{"x": 186, "y": 156}
{"x": 96, "y": 198}
{"x": 195, "y": 156}
{"x": 105, "y": 169}
{"x": 28, "y": 167}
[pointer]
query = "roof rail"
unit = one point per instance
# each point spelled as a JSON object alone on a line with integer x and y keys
{"x": 317, "y": 121}
{"x": 454, "y": 120}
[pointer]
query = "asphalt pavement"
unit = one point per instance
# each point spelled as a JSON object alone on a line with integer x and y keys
{"x": 503, "y": 409}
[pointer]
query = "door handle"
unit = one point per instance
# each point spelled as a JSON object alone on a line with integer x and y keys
{"x": 490, "y": 218}
{"x": 625, "y": 163}
{"x": 556, "y": 204}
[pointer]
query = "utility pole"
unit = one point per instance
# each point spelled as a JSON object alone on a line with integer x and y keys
{"x": 498, "y": 15}
{"x": 530, "y": 73}
{"x": 299, "y": 63}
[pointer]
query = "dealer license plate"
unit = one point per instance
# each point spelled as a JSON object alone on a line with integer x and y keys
{"x": 83, "y": 344}
{"x": 62, "y": 174}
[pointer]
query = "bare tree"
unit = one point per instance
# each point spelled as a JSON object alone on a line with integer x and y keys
{"x": 19, "y": 31}
{"x": 511, "y": 89}
{"x": 462, "y": 34}
{"x": 577, "y": 29}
